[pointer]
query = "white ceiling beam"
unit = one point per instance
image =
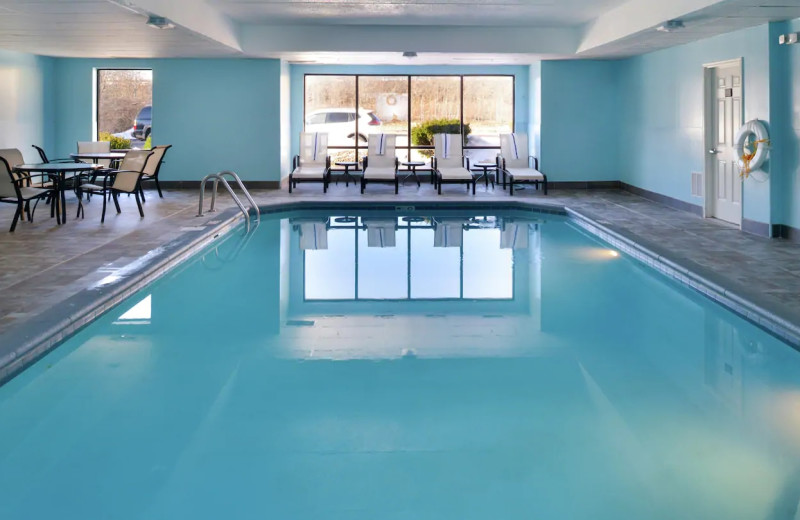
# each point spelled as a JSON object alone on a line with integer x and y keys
{"x": 264, "y": 41}
{"x": 198, "y": 16}
{"x": 636, "y": 16}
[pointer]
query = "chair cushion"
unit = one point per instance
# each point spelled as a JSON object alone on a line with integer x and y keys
{"x": 308, "y": 172}
{"x": 32, "y": 193}
{"x": 525, "y": 174}
{"x": 455, "y": 174}
{"x": 379, "y": 172}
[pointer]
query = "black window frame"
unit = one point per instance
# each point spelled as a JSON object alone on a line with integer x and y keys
{"x": 357, "y": 147}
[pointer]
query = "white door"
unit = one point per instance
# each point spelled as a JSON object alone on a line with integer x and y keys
{"x": 726, "y": 184}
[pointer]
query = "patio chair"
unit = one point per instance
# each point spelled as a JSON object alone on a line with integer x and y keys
{"x": 380, "y": 164}
{"x": 448, "y": 162}
{"x": 313, "y": 164}
{"x": 515, "y": 162}
{"x": 96, "y": 147}
{"x": 43, "y": 157}
{"x": 381, "y": 232}
{"x": 15, "y": 187}
{"x": 125, "y": 180}
{"x": 153, "y": 166}
{"x": 448, "y": 232}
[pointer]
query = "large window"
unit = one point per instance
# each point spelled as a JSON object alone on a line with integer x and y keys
{"x": 124, "y": 106}
{"x": 350, "y": 108}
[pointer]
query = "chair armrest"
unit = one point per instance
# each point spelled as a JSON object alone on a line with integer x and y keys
{"x": 467, "y": 161}
{"x": 295, "y": 162}
{"x": 364, "y": 161}
{"x": 535, "y": 161}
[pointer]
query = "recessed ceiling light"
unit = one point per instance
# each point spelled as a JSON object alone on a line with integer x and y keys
{"x": 409, "y": 54}
{"x": 670, "y": 26}
{"x": 159, "y": 22}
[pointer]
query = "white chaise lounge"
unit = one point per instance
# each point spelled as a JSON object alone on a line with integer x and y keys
{"x": 313, "y": 164}
{"x": 448, "y": 162}
{"x": 517, "y": 164}
{"x": 380, "y": 164}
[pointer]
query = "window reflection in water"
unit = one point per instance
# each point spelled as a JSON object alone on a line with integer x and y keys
{"x": 452, "y": 257}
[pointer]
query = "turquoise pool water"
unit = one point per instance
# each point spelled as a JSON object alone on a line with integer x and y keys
{"x": 309, "y": 373}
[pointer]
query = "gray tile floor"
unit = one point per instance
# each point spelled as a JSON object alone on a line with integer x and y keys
{"x": 44, "y": 263}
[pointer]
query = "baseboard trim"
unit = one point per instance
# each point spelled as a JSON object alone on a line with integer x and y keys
{"x": 584, "y": 185}
{"x": 755, "y": 227}
{"x": 789, "y": 233}
{"x": 663, "y": 199}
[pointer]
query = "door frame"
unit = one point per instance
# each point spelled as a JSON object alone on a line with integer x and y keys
{"x": 709, "y": 94}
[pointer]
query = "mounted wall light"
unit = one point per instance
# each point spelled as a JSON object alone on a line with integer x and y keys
{"x": 671, "y": 26}
{"x": 159, "y": 22}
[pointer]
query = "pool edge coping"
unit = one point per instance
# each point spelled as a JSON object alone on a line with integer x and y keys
{"x": 91, "y": 302}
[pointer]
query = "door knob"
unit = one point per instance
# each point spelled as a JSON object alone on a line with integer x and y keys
{"x": 713, "y": 151}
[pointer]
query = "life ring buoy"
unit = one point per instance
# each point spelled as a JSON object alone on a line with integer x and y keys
{"x": 751, "y": 159}
{"x": 391, "y": 100}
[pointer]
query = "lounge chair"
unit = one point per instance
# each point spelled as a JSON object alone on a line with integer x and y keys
{"x": 380, "y": 164}
{"x": 515, "y": 162}
{"x": 448, "y": 162}
{"x": 381, "y": 232}
{"x": 153, "y": 167}
{"x": 125, "y": 180}
{"x": 313, "y": 164}
{"x": 448, "y": 232}
{"x": 15, "y": 187}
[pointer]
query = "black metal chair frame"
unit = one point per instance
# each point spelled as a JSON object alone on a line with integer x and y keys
{"x": 326, "y": 175}
{"x": 395, "y": 181}
{"x": 154, "y": 177}
{"x": 24, "y": 204}
{"x": 440, "y": 180}
{"x": 511, "y": 180}
{"x": 109, "y": 190}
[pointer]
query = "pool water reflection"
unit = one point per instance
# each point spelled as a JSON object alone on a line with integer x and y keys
{"x": 418, "y": 366}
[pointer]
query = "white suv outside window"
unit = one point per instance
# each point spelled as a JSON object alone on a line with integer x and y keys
{"x": 340, "y": 124}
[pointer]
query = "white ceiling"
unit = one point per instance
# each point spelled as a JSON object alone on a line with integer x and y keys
{"x": 93, "y": 28}
{"x": 417, "y": 12}
{"x": 373, "y": 32}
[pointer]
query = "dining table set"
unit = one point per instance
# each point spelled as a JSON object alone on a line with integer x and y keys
{"x": 61, "y": 173}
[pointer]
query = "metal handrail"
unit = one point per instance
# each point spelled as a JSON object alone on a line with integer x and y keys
{"x": 220, "y": 177}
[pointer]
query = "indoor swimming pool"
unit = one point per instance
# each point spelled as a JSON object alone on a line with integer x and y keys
{"x": 376, "y": 365}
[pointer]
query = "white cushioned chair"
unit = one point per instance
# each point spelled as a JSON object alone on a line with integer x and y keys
{"x": 313, "y": 164}
{"x": 448, "y": 162}
{"x": 517, "y": 164}
{"x": 125, "y": 180}
{"x": 380, "y": 164}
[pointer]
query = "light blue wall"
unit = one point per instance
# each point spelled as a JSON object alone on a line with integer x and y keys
{"x": 785, "y": 135}
{"x": 26, "y": 102}
{"x": 535, "y": 108}
{"x": 662, "y": 118}
{"x": 217, "y": 113}
{"x": 520, "y": 73}
{"x": 580, "y": 118}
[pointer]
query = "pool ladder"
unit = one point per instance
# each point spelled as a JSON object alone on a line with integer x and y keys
{"x": 220, "y": 177}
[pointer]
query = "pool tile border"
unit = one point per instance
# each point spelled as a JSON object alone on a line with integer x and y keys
{"x": 737, "y": 299}
{"x": 43, "y": 333}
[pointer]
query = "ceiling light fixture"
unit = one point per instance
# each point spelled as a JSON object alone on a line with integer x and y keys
{"x": 670, "y": 26}
{"x": 159, "y": 22}
{"x": 409, "y": 54}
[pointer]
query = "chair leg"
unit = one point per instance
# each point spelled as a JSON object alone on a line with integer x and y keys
{"x": 103, "y": 216}
{"x": 158, "y": 187}
{"x": 474, "y": 182}
{"x": 545, "y": 186}
{"x": 363, "y": 184}
{"x": 28, "y": 210}
{"x": 396, "y": 185}
{"x": 115, "y": 198}
{"x": 290, "y": 183}
{"x": 80, "y": 208}
{"x": 511, "y": 187}
{"x": 141, "y": 192}
{"x": 139, "y": 204}
{"x": 16, "y": 217}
